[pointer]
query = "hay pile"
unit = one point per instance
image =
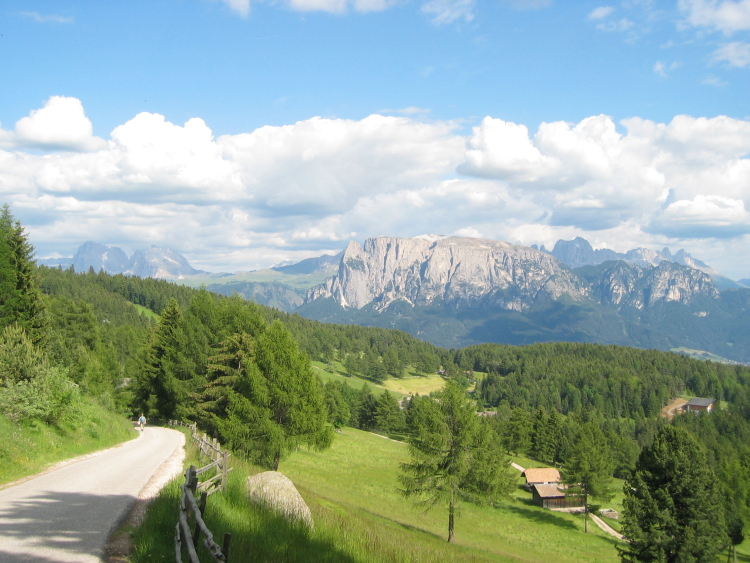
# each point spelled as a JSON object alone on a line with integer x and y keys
{"x": 275, "y": 490}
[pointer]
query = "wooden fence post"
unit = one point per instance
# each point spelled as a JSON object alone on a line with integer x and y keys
{"x": 225, "y": 545}
{"x": 224, "y": 470}
{"x": 202, "y": 509}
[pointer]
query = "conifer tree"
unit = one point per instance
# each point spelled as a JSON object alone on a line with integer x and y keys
{"x": 450, "y": 457}
{"x": 588, "y": 470}
{"x": 672, "y": 508}
{"x": 162, "y": 388}
{"x": 339, "y": 412}
{"x": 20, "y": 297}
{"x": 298, "y": 414}
{"x": 388, "y": 415}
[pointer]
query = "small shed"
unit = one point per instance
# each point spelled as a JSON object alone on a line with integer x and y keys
{"x": 541, "y": 476}
{"x": 552, "y": 496}
{"x": 697, "y": 404}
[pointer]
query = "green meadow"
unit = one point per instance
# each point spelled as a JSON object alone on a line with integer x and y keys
{"x": 352, "y": 491}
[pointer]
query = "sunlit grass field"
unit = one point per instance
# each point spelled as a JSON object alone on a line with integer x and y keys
{"x": 409, "y": 385}
{"x": 413, "y": 385}
{"x": 360, "y": 517}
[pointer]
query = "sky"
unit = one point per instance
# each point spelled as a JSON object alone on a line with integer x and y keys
{"x": 242, "y": 133}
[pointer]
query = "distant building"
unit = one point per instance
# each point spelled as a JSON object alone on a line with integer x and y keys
{"x": 552, "y": 496}
{"x": 698, "y": 404}
{"x": 541, "y": 476}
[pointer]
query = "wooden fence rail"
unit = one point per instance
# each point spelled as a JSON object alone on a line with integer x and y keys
{"x": 219, "y": 462}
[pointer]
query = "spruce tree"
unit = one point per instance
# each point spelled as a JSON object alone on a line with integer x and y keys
{"x": 21, "y": 299}
{"x": 162, "y": 388}
{"x": 298, "y": 414}
{"x": 673, "y": 508}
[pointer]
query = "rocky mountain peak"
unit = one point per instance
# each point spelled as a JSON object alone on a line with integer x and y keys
{"x": 155, "y": 262}
{"x": 454, "y": 270}
{"x": 625, "y": 284}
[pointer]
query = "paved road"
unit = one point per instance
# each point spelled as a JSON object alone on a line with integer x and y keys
{"x": 66, "y": 515}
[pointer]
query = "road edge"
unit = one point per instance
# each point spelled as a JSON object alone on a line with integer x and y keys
{"x": 119, "y": 545}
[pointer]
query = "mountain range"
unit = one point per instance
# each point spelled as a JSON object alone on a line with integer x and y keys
{"x": 456, "y": 291}
{"x": 155, "y": 262}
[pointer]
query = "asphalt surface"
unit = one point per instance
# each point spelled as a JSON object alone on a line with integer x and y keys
{"x": 67, "y": 515}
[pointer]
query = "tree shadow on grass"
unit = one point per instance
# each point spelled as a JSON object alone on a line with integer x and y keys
{"x": 541, "y": 516}
{"x": 267, "y": 536}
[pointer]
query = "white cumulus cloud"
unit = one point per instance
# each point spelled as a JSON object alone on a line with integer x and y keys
{"x": 60, "y": 124}
{"x": 236, "y": 202}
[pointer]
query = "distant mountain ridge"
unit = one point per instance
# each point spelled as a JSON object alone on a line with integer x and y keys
{"x": 455, "y": 291}
{"x": 155, "y": 262}
{"x": 477, "y": 272}
{"x": 423, "y": 270}
{"x": 579, "y": 252}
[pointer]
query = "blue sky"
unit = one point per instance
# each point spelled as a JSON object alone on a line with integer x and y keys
{"x": 245, "y": 133}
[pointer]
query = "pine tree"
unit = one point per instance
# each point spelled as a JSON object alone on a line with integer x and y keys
{"x": 672, "y": 508}
{"x": 162, "y": 388}
{"x": 541, "y": 441}
{"x": 367, "y": 407}
{"x": 339, "y": 413}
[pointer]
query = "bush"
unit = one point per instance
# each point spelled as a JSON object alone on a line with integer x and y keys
{"x": 31, "y": 389}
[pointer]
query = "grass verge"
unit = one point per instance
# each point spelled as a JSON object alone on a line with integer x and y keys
{"x": 30, "y": 447}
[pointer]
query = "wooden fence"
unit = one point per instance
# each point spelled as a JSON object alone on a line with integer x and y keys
{"x": 219, "y": 463}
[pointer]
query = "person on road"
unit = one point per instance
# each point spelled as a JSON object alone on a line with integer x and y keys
{"x": 142, "y": 421}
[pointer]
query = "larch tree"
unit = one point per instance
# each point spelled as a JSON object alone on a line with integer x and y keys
{"x": 672, "y": 511}
{"x": 453, "y": 455}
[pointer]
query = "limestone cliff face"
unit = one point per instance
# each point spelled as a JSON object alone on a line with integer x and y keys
{"x": 454, "y": 270}
{"x": 159, "y": 263}
{"x": 630, "y": 285}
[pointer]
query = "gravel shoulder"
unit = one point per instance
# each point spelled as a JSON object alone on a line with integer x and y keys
{"x": 66, "y": 514}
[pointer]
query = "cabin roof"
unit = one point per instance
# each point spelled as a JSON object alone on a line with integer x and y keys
{"x": 549, "y": 491}
{"x": 542, "y": 475}
{"x": 699, "y": 402}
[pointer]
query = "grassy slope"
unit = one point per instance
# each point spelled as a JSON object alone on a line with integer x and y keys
{"x": 412, "y": 384}
{"x": 359, "y": 517}
{"x": 147, "y": 312}
{"x": 359, "y": 475}
{"x": 27, "y": 449}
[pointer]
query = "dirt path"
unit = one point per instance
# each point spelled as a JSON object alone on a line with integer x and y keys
{"x": 66, "y": 515}
{"x": 671, "y": 408}
{"x": 606, "y": 527}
